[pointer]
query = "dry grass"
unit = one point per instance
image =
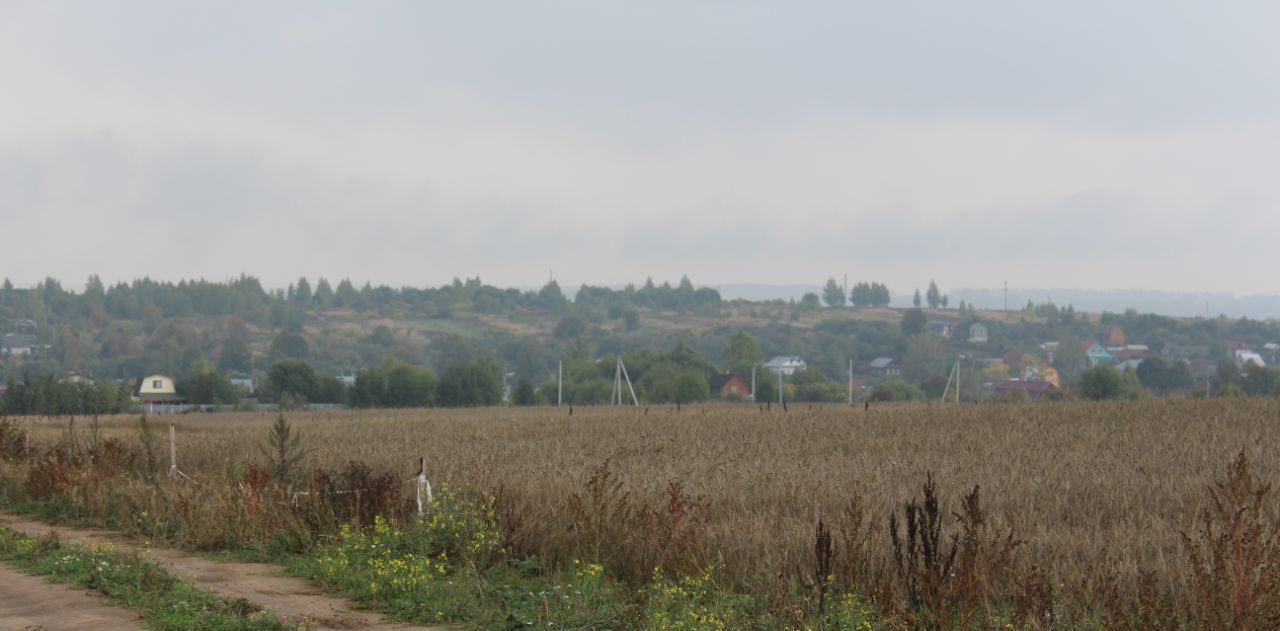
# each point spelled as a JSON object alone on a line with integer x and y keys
{"x": 1097, "y": 493}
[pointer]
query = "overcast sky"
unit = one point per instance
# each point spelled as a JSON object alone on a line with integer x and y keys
{"x": 1090, "y": 145}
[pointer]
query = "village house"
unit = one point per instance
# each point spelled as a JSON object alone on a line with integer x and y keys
{"x": 943, "y": 328}
{"x": 77, "y": 378}
{"x": 727, "y": 385}
{"x": 22, "y": 341}
{"x": 245, "y": 385}
{"x": 1033, "y": 390}
{"x": 885, "y": 367}
{"x": 1050, "y": 351}
{"x": 1095, "y": 353}
{"x": 1050, "y": 374}
{"x": 978, "y": 333}
{"x": 1202, "y": 370}
{"x": 1178, "y": 352}
{"x": 786, "y": 365}
{"x": 1246, "y": 357}
{"x": 1128, "y": 364}
{"x": 1130, "y": 353}
{"x": 157, "y": 390}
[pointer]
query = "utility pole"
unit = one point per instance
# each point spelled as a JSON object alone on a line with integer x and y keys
{"x": 753, "y": 384}
{"x": 850, "y": 382}
{"x": 560, "y": 383}
{"x": 779, "y": 387}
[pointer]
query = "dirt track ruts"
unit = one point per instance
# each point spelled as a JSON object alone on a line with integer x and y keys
{"x": 293, "y": 600}
{"x": 32, "y": 602}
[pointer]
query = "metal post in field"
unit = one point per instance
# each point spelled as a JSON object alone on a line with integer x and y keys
{"x": 560, "y": 383}
{"x": 850, "y": 382}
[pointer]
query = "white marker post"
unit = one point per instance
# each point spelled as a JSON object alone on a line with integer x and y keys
{"x": 173, "y": 452}
{"x": 423, "y": 482}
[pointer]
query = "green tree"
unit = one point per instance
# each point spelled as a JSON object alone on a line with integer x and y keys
{"x": 813, "y": 386}
{"x": 294, "y": 378}
{"x": 1161, "y": 377}
{"x": 832, "y": 294}
{"x": 383, "y": 336}
{"x": 204, "y": 385}
{"x": 881, "y": 295}
{"x": 1102, "y": 382}
{"x": 234, "y": 354}
{"x": 913, "y": 323}
{"x": 476, "y": 383}
{"x": 551, "y": 298}
{"x": 346, "y": 296}
{"x": 324, "y": 294}
{"x": 742, "y": 354}
{"x": 569, "y": 327}
{"x": 933, "y": 296}
{"x": 669, "y": 382}
{"x": 896, "y": 390}
{"x": 925, "y": 357}
{"x": 394, "y": 385}
{"x": 810, "y": 302}
{"x": 302, "y": 293}
{"x": 861, "y": 295}
{"x": 288, "y": 345}
{"x": 915, "y": 300}
{"x": 523, "y": 393}
{"x": 1070, "y": 357}
{"x": 284, "y": 449}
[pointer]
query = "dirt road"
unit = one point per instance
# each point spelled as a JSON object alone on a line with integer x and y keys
{"x": 31, "y": 602}
{"x": 294, "y": 600}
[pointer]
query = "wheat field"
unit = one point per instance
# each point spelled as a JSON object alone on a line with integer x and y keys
{"x": 1089, "y": 488}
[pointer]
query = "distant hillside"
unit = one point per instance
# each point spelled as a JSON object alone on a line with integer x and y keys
{"x": 1169, "y": 303}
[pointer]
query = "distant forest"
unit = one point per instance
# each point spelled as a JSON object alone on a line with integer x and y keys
{"x": 456, "y": 341}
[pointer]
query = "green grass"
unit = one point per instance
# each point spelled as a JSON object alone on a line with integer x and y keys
{"x": 164, "y": 602}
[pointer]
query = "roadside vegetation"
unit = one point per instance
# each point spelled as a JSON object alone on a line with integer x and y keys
{"x": 127, "y": 580}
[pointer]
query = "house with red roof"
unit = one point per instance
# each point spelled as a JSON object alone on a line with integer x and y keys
{"x": 1034, "y": 390}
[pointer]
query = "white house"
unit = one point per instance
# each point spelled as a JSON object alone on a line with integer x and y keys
{"x": 978, "y": 333}
{"x": 1244, "y": 358}
{"x": 157, "y": 389}
{"x": 785, "y": 365}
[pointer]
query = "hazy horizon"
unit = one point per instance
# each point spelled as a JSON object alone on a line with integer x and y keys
{"x": 1092, "y": 146}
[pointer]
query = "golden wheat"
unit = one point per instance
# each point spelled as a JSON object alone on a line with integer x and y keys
{"x": 1092, "y": 489}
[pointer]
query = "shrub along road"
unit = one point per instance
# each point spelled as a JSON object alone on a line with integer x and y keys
{"x": 293, "y": 600}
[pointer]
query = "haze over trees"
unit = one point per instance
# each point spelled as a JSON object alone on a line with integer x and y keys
{"x": 293, "y": 343}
